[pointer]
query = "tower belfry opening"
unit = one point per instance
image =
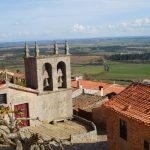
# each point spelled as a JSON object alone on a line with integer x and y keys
{"x": 47, "y": 77}
{"x": 61, "y": 72}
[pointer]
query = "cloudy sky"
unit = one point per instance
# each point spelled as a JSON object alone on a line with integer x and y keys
{"x": 64, "y": 19}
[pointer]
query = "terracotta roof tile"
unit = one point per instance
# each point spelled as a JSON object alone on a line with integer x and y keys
{"x": 90, "y": 84}
{"x": 133, "y": 102}
{"x": 84, "y": 100}
{"x": 114, "y": 88}
{"x": 107, "y": 87}
{"x": 2, "y": 85}
{"x": 19, "y": 75}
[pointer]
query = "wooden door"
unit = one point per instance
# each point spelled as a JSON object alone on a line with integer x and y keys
{"x": 24, "y": 113}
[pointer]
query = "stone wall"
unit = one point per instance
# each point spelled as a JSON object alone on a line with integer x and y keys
{"x": 88, "y": 137}
{"x": 48, "y": 106}
{"x": 31, "y": 72}
{"x": 16, "y": 97}
{"x": 34, "y": 70}
{"x": 90, "y": 91}
{"x": 85, "y": 114}
{"x": 77, "y": 92}
{"x": 136, "y": 133}
{"x": 55, "y": 105}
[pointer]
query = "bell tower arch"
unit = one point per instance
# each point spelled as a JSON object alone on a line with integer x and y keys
{"x": 61, "y": 72}
{"x": 47, "y": 77}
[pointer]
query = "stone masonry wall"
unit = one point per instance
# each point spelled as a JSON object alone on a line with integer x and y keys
{"x": 16, "y": 97}
{"x": 88, "y": 137}
{"x": 31, "y": 72}
{"x": 55, "y": 105}
{"x": 53, "y": 60}
{"x": 77, "y": 92}
{"x": 47, "y": 107}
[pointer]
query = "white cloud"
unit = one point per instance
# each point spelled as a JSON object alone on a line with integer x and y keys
{"x": 4, "y": 35}
{"x": 132, "y": 27}
{"x": 138, "y": 23}
{"x": 78, "y": 28}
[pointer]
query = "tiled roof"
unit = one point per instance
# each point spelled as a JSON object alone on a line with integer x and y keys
{"x": 89, "y": 84}
{"x": 84, "y": 100}
{"x": 114, "y": 88}
{"x": 107, "y": 87}
{"x": 14, "y": 74}
{"x": 19, "y": 75}
{"x": 74, "y": 89}
{"x": 133, "y": 102}
{"x": 2, "y": 84}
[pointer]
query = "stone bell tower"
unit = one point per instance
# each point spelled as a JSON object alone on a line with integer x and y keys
{"x": 47, "y": 73}
{"x": 51, "y": 76}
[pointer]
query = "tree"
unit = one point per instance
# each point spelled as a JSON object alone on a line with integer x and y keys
{"x": 12, "y": 136}
{"x": 106, "y": 67}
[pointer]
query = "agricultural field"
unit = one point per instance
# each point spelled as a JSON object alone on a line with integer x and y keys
{"x": 79, "y": 59}
{"x": 88, "y": 56}
{"x": 119, "y": 72}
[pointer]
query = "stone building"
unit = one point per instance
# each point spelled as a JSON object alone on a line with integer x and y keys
{"x": 89, "y": 96}
{"x": 85, "y": 105}
{"x": 128, "y": 118}
{"x": 47, "y": 95}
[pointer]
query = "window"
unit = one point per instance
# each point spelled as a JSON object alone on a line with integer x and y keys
{"x": 146, "y": 145}
{"x": 123, "y": 129}
{"x": 3, "y": 99}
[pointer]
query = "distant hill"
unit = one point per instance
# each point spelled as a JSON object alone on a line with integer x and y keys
{"x": 88, "y": 41}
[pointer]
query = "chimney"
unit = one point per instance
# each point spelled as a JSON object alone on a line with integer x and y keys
{"x": 79, "y": 86}
{"x": 76, "y": 78}
{"x": 101, "y": 90}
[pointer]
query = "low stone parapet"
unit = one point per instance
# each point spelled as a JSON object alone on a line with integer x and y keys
{"x": 89, "y": 136}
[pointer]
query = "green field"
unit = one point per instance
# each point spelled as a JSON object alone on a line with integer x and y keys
{"x": 120, "y": 72}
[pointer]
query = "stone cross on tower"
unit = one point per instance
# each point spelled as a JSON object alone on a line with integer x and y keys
{"x": 55, "y": 48}
{"x": 26, "y": 50}
{"x": 66, "y": 48}
{"x": 37, "y": 51}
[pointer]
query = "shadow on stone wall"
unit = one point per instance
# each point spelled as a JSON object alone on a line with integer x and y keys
{"x": 77, "y": 146}
{"x": 83, "y": 146}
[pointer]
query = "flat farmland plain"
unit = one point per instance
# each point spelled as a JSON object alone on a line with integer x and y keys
{"x": 122, "y": 72}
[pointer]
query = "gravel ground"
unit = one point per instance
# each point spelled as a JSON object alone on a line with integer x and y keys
{"x": 63, "y": 130}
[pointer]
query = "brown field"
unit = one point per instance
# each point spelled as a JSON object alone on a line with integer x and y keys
{"x": 84, "y": 59}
